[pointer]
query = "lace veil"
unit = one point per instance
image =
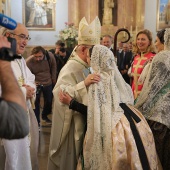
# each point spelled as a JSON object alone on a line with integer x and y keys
{"x": 104, "y": 111}
{"x": 154, "y": 98}
{"x": 167, "y": 39}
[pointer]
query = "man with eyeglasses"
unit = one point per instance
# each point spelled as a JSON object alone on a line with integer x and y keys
{"x": 22, "y": 153}
{"x": 68, "y": 125}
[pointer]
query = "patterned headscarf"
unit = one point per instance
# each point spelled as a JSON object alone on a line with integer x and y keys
{"x": 104, "y": 111}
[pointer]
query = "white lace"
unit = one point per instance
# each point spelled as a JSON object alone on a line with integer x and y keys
{"x": 104, "y": 111}
{"x": 167, "y": 39}
{"x": 154, "y": 99}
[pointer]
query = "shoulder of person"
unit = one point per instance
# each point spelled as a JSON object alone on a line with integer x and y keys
{"x": 29, "y": 59}
{"x": 49, "y": 55}
{"x": 52, "y": 51}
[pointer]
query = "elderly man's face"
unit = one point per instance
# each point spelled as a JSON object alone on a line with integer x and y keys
{"x": 107, "y": 42}
{"x": 22, "y": 37}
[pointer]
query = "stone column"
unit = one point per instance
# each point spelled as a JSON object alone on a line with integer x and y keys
{"x": 73, "y": 12}
{"x": 0, "y": 6}
{"x": 140, "y": 4}
{"x": 77, "y": 9}
{"x": 94, "y": 5}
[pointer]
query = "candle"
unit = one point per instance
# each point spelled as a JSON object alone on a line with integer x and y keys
{"x": 136, "y": 30}
{"x": 131, "y": 30}
{"x": 124, "y": 32}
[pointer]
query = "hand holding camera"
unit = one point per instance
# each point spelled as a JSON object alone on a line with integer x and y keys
{"x": 6, "y": 53}
{"x": 8, "y": 45}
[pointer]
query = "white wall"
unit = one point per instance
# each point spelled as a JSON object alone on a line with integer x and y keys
{"x": 151, "y": 16}
{"x": 43, "y": 37}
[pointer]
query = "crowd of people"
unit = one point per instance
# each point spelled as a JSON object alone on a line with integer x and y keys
{"x": 108, "y": 112}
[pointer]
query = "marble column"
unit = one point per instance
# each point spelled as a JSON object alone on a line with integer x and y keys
{"x": 81, "y": 8}
{"x": 139, "y": 14}
{"x": 94, "y": 6}
{"x": 73, "y": 11}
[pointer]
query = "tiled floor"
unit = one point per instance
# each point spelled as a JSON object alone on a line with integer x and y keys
{"x": 44, "y": 142}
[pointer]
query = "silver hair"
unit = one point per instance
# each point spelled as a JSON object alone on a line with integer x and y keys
{"x": 4, "y": 30}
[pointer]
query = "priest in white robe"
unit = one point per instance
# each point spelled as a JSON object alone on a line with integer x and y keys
{"x": 68, "y": 126}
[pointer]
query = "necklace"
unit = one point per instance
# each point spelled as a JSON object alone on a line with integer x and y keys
{"x": 20, "y": 78}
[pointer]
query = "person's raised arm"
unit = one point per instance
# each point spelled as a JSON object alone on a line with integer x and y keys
{"x": 10, "y": 88}
{"x": 13, "y": 116}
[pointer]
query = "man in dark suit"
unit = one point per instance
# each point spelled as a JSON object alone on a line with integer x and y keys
{"x": 123, "y": 62}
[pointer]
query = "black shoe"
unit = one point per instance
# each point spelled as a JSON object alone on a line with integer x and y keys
{"x": 46, "y": 121}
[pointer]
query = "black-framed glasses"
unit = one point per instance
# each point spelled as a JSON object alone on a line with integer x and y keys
{"x": 22, "y": 37}
{"x": 38, "y": 57}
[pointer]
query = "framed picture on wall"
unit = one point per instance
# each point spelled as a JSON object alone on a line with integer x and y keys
{"x": 163, "y": 14}
{"x": 39, "y": 15}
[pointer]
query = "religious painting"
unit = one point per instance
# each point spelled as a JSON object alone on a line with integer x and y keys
{"x": 39, "y": 15}
{"x": 163, "y": 14}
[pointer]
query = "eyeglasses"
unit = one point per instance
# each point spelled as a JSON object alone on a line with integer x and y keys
{"x": 22, "y": 37}
{"x": 39, "y": 57}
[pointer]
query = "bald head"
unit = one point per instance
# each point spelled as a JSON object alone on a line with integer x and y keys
{"x": 82, "y": 50}
{"x": 107, "y": 41}
{"x": 125, "y": 47}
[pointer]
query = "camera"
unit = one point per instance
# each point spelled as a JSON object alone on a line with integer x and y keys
{"x": 39, "y": 88}
{"x": 13, "y": 44}
{"x": 9, "y": 54}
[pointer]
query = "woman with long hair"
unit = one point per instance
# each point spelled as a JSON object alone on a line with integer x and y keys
{"x": 154, "y": 101}
{"x": 144, "y": 51}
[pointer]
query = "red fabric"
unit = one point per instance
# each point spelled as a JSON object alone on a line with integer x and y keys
{"x": 137, "y": 68}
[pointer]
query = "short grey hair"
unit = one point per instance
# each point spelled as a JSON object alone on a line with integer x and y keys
{"x": 4, "y": 30}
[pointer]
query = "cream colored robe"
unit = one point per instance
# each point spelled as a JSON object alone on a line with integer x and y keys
{"x": 68, "y": 125}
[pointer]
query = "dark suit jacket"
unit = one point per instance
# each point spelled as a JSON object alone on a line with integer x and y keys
{"x": 60, "y": 61}
{"x": 112, "y": 50}
{"x": 124, "y": 63}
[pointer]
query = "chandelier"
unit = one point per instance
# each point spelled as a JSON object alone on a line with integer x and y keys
{"x": 45, "y": 1}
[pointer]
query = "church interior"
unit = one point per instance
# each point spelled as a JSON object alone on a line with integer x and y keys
{"x": 133, "y": 15}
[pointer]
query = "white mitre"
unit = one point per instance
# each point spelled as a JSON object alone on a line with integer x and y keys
{"x": 89, "y": 34}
